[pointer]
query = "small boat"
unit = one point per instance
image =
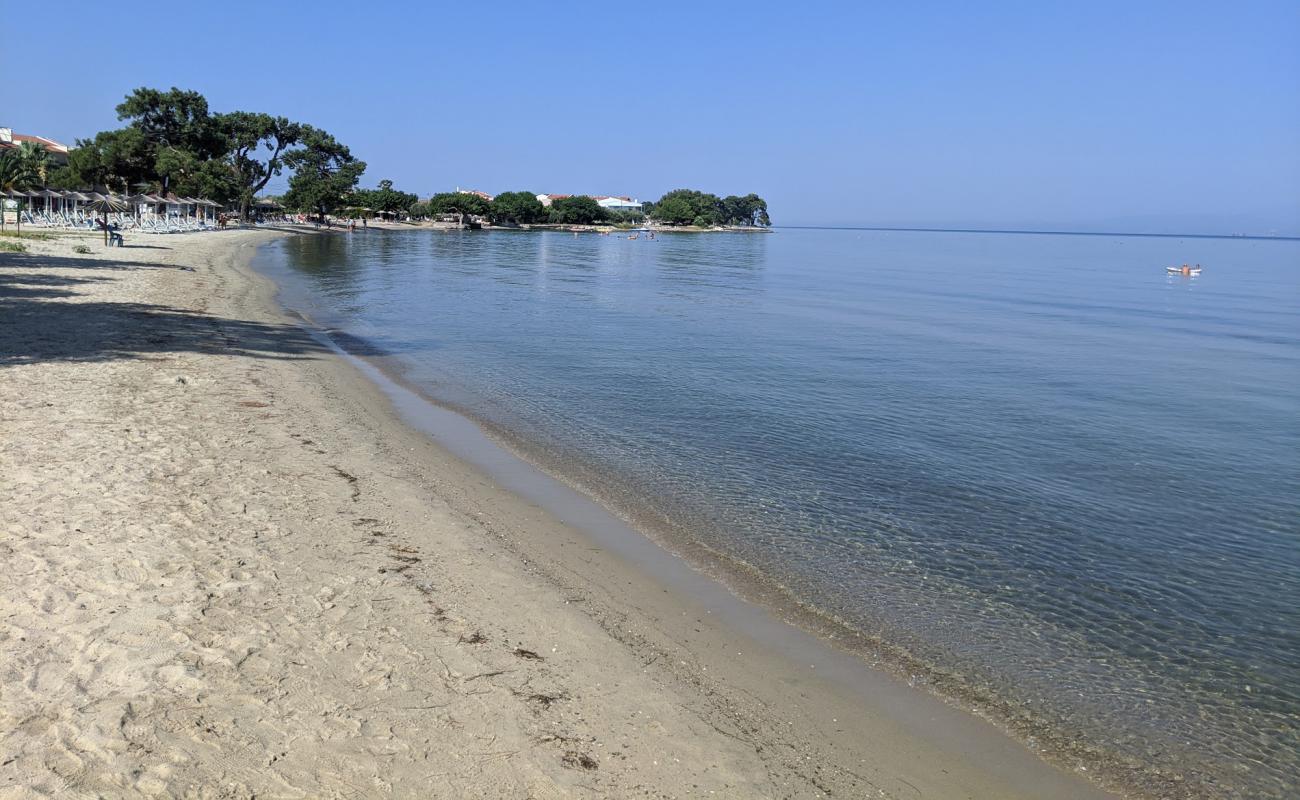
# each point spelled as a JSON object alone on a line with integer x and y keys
{"x": 1186, "y": 270}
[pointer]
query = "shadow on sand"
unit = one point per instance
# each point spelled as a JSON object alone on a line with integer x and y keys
{"x": 40, "y": 320}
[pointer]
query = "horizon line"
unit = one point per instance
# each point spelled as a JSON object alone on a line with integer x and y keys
{"x": 1026, "y": 232}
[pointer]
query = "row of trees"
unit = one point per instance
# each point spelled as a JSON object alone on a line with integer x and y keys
{"x": 173, "y": 142}
{"x": 384, "y": 200}
{"x": 678, "y": 207}
{"x": 520, "y": 208}
{"x": 691, "y": 207}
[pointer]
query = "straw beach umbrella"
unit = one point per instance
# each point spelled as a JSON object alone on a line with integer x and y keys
{"x": 137, "y": 200}
{"x": 76, "y": 198}
{"x": 47, "y": 195}
{"x": 102, "y": 203}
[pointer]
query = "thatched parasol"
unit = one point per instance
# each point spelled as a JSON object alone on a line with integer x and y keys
{"x": 48, "y": 195}
{"x": 101, "y": 203}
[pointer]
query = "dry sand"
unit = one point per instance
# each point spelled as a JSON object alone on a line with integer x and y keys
{"x": 231, "y": 570}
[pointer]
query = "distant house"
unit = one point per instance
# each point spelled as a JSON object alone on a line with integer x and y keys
{"x": 474, "y": 192}
{"x": 58, "y": 152}
{"x": 547, "y": 199}
{"x": 619, "y": 203}
{"x": 603, "y": 200}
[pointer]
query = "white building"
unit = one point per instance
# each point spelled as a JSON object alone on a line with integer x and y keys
{"x": 474, "y": 192}
{"x": 619, "y": 203}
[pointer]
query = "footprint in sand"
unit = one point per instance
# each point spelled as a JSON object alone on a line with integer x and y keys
{"x": 132, "y": 572}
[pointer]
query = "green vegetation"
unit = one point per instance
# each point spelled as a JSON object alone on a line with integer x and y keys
{"x": 81, "y": 248}
{"x": 13, "y": 247}
{"x": 173, "y": 143}
{"x": 28, "y": 235}
{"x": 517, "y": 208}
{"x": 23, "y": 167}
{"x": 576, "y": 210}
{"x": 325, "y": 173}
{"x": 246, "y": 135}
{"x": 523, "y": 208}
{"x": 384, "y": 200}
{"x": 691, "y": 207}
{"x": 460, "y": 204}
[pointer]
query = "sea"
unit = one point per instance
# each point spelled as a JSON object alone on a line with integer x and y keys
{"x": 1049, "y": 478}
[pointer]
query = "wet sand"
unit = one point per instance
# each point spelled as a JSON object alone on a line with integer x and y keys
{"x": 238, "y": 564}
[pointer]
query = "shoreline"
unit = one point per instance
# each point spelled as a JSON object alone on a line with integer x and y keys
{"x": 756, "y": 725}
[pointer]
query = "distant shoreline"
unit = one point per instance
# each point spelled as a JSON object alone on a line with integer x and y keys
{"x": 642, "y": 228}
{"x": 559, "y": 227}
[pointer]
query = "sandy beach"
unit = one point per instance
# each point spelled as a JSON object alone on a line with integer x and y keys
{"x": 233, "y": 569}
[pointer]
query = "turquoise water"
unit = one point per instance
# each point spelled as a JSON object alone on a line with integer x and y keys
{"x": 1066, "y": 484}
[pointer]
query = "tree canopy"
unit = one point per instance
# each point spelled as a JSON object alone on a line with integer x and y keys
{"x": 384, "y": 199}
{"x": 325, "y": 173}
{"x": 249, "y": 134}
{"x": 518, "y": 208}
{"x": 117, "y": 159}
{"x": 24, "y": 166}
{"x": 576, "y": 210}
{"x": 173, "y": 143}
{"x": 175, "y": 118}
{"x": 461, "y": 204}
{"x": 692, "y": 207}
{"x": 176, "y": 134}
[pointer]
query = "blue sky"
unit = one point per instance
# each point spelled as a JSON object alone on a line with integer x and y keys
{"x": 1121, "y": 116}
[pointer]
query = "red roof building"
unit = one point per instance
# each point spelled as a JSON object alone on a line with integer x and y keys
{"x": 58, "y": 152}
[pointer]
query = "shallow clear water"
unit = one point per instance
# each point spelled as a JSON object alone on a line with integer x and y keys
{"x": 1065, "y": 481}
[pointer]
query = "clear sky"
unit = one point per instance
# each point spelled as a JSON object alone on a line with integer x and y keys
{"x": 1160, "y": 116}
